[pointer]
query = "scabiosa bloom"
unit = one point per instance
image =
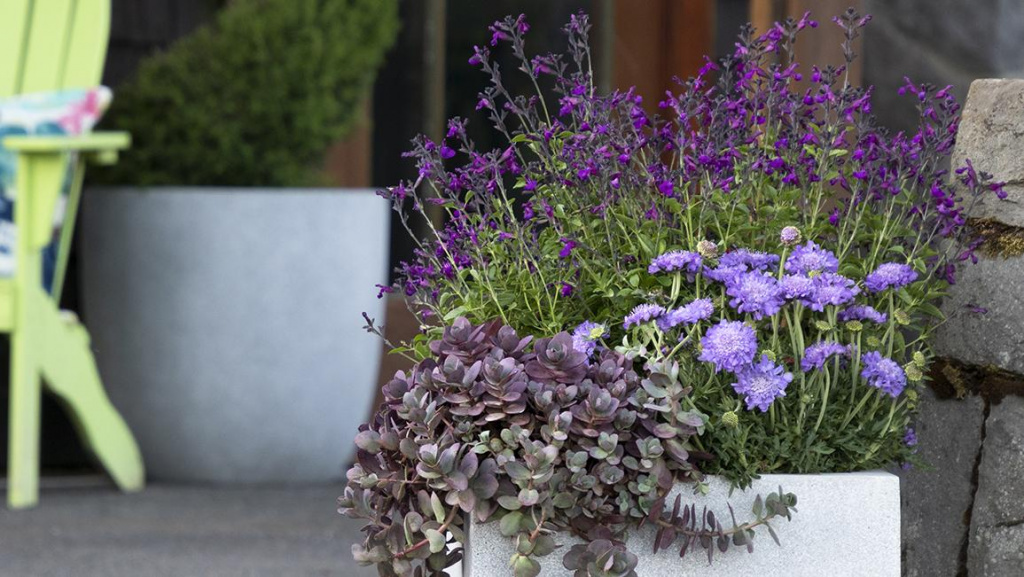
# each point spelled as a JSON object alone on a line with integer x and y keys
{"x": 643, "y": 313}
{"x": 762, "y": 383}
{"x": 883, "y": 373}
{"x": 910, "y": 437}
{"x": 796, "y": 286}
{"x": 789, "y": 236}
{"x": 863, "y": 313}
{"x": 585, "y": 336}
{"x": 817, "y": 354}
{"x": 683, "y": 260}
{"x": 751, "y": 260}
{"x": 830, "y": 289}
{"x": 729, "y": 345}
{"x": 810, "y": 257}
{"x": 688, "y": 314}
{"x": 755, "y": 292}
{"x": 890, "y": 275}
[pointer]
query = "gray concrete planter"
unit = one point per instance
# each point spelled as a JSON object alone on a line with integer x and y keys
{"x": 848, "y": 525}
{"x": 227, "y": 325}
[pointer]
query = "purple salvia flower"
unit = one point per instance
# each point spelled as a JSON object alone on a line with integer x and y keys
{"x": 756, "y": 293}
{"x": 830, "y": 289}
{"x": 810, "y": 257}
{"x": 762, "y": 383}
{"x": 883, "y": 374}
{"x": 890, "y": 275}
{"x": 729, "y": 346}
{"x": 688, "y": 314}
{"x": 567, "y": 247}
{"x": 817, "y": 354}
{"x": 863, "y": 313}
{"x": 683, "y": 260}
{"x": 642, "y": 314}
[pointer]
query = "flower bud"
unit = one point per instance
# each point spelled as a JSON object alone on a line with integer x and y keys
{"x": 874, "y": 341}
{"x": 790, "y": 236}
{"x": 913, "y": 372}
{"x": 854, "y": 326}
{"x": 901, "y": 317}
{"x": 822, "y": 326}
{"x": 919, "y": 359}
{"x": 707, "y": 249}
{"x": 730, "y": 420}
{"x": 770, "y": 354}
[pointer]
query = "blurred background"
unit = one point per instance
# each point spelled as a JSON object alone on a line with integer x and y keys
{"x": 223, "y": 265}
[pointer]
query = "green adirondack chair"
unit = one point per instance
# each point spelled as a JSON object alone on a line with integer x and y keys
{"x": 51, "y": 45}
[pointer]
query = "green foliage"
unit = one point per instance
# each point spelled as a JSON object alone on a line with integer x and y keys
{"x": 256, "y": 97}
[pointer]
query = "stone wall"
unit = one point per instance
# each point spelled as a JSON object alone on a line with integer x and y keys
{"x": 966, "y": 516}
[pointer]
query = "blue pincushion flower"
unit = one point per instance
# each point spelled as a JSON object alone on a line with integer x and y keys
{"x": 729, "y": 346}
{"x": 756, "y": 293}
{"x": 830, "y": 289}
{"x": 809, "y": 257}
{"x": 817, "y": 354}
{"x": 883, "y": 373}
{"x": 751, "y": 260}
{"x": 586, "y": 335}
{"x": 681, "y": 260}
{"x": 688, "y": 314}
{"x": 910, "y": 437}
{"x": 890, "y": 275}
{"x": 642, "y": 314}
{"x": 796, "y": 286}
{"x": 762, "y": 383}
{"x": 863, "y": 313}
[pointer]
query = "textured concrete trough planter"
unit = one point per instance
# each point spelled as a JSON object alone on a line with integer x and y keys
{"x": 226, "y": 325}
{"x": 848, "y": 524}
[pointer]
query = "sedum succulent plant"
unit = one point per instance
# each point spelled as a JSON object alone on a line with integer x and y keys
{"x": 540, "y": 440}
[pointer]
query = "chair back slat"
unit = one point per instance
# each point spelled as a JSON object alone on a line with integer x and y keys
{"x": 15, "y": 16}
{"x": 52, "y": 44}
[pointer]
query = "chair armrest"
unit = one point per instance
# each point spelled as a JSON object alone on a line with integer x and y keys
{"x": 103, "y": 146}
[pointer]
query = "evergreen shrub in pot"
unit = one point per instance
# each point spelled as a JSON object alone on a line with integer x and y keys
{"x": 216, "y": 265}
{"x": 693, "y": 332}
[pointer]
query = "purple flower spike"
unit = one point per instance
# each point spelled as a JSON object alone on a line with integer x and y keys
{"x": 688, "y": 314}
{"x": 810, "y": 257}
{"x": 890, "y": 275}
{"x": 883, "y": 374}
{"x": 683, "y": 260}
{"x": 757, "y": 293}
{"x": 729, "y": 346}
{"x": 863, "y": 313}
{"x": 642, "y": 314}
{"x": 762, "y": 383}
{"x": 817, "y": 354}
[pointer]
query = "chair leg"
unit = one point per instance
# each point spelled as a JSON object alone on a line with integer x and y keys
{"x": 70, "y": 372}
{"x": 25, "y": 401}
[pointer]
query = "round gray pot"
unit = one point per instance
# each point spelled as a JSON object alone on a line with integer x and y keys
{"x": 227, "y": 325}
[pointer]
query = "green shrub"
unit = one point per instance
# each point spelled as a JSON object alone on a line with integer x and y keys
{"x": 256, "y": 97}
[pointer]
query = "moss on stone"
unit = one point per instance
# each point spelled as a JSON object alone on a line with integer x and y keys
{"x": 1000, "y": 239}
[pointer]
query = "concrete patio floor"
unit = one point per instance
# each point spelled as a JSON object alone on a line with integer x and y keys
{"x": 88, "y": 529}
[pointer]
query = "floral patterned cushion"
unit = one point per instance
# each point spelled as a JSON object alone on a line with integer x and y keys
{"x": 69, "y": 112}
